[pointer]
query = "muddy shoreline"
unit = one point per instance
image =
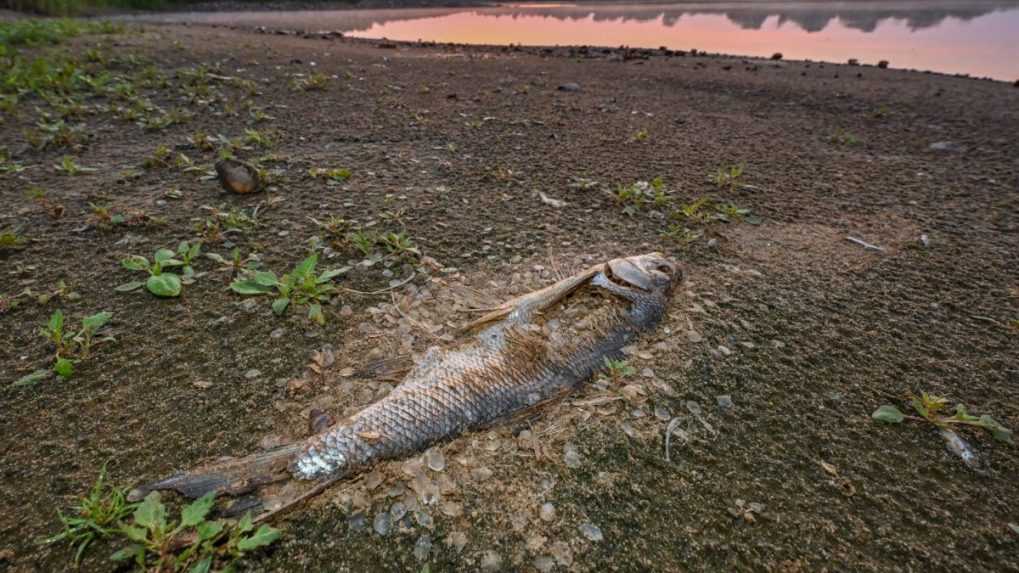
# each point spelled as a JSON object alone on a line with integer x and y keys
{"x": 505, "y": 166}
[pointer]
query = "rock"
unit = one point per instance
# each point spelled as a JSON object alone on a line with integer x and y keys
{"x": 547, "y": 512}
{"x": 591, "y": 531}
{"x": 883, "y": 64}
{"x": 238, "y": 176}
{"x": 562, "y": 553}
{"x": 397, "y": 511}
{"x": 424, "y": 519}
{"x": 724, "y": 350}
{"x": 776, "y": 56}
{"x": 481, "y": 474}
{"x": 491, "y": 561}
{"x": 662, "y": 413}
{"x": 253, "y": 373}
{"x": 382, "y": 523}
{"x": 357, "y": 522}
{"x": 423, "y": 547}
{"x": 569, "y": 87}
{"x": 457, "y": 540}
{"x": 693, "y": 407}
{"x": 571, "y": 457}
{"x": 724, "y": 402}
{"x": 544, "y": 564}
{"x": 946, "y": 146}
{"x": 435, "y": 460}
{"x": 278, "y": 333}
{"x": 854, "y": 62}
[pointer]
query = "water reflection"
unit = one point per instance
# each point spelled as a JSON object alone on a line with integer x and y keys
{"x": 977, "y": 37}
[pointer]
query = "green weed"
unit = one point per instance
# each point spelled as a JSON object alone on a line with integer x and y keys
{"x": 300, "y": 286}
{"x": 68, "y": 166}
{"x": 97, "y": 515}
{"x": 728, "y": 177}
{"x": 618, "y": 369}
{"x": 70, "y": 346}
{"x": 160, "y": 282}
{"x": 193, "y": 542}
{"x": 333, "y": 176}
{"x": 931, "y": 409}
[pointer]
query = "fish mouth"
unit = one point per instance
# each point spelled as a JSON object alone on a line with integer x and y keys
{"x": 651, "y": 272}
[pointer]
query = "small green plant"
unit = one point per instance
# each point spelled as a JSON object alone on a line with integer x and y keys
{"x": 71, "y": 347}
{"x": 931, "y": 409}
{"x": 257, "y": 138}
{"x": 187, "y": 253}
{"x": 681, "y": 234}
{"x": 728, "y": 177}
{"x": 201, "y": 141}
{"x": 730, "y": 213}
{"x": 332, "y": 176}
{"x": 68, "y": 166}
{"x": 618, "y": 369}
{"x": 97, "y": 515}
{"x": 692, "y": 212}
{"x": 236, "y": 264}
{"x": 843, "y": 137}
{"x": 316, "y": 81}
{"x": 104, "y": 217}
{"x": 641, "y": 135}
{"x": 160, "y": 282}
{"x": 192, "y": 543}
{"x": 364, "y": 240}
{"x": 234, "y": 220}
{"x": 11, "y": 239}
{"x": 399, "y": 245}
{"x": 159, "y": 159}
{"x": 300, "y": 286}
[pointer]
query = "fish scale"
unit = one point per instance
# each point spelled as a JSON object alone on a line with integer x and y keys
{"x": 516, "y": 363}
{"x": 461, "y": 390}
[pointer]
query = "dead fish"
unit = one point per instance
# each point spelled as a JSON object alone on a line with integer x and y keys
{"x": 508, "y": 367}
{"x": 238, "y": 176}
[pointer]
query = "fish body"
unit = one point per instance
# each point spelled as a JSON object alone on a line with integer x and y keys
{"x": 509, "y": 366}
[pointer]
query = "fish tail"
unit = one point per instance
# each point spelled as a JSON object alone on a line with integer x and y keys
{"x": 230, "y": 476}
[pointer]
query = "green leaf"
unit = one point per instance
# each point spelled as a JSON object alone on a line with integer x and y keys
{"x": 279, "y": 306}
{"x": 134, "y": 533}
{"x": 151, "y": 513}
{"x": 203, "y": 566}
{"x": 315, "y": 314}
{"x": 209, "y": 529}
{"x": 249, "y": 286}
{"x": 56, "y": 323}
{"x": 135, "y": 263}
{"x": 920, "y": 408}
{"x": 246, "y": 523}
{"x": 32, "y": 379}
{"x": 889, "y": 414}
{"x": 1000, "y": 433}
{"x": 163, "y": 255}
{"x": 218, "y": 258}
{"x": 331, "y": 274}
{"x": 131, "y": 286}
{"x": 195, "y": 512}
{"x": 306, "y": 267}
{"x": 264, "y": 536}
{"x": 126, "y": 553}
{"x": 63, "y": 367}
{"x": 165, "y": 285}
{"x": 96, "y": 321}
{"x": 266, "y": 278}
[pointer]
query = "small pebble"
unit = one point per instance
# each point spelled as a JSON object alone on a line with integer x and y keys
{"x": 591, "y": 531}
{"x": 382, "y": 524}
{"x": 278, "y": 333}
{"x": 423, "y": 547}
{"x": 724, "y": 402}
{"x": 545, "y": 563}
{"x": 491, "y": 561}
{"x": 253, "y": 373}
{"x": 547, "y": 512}
{"x": 571, "y": 457}
{"x": 435, "y": 460}
{"x": 397, "y": 511}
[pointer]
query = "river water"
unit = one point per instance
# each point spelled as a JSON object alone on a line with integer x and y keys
{"x": 975, "y": 37}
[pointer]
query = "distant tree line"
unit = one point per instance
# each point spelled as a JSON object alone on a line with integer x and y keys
{"x": 76, "y": 7}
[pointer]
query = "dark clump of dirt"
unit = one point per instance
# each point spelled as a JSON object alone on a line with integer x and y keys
{"x": 474, "y": 176}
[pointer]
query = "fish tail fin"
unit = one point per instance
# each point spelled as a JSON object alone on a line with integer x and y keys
{"x": 229, "y": 476}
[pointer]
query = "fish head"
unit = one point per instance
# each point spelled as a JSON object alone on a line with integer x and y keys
{"x": 653, "y": 272}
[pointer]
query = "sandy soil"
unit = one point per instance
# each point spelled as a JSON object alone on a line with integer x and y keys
{"x": 806, "y": 332}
